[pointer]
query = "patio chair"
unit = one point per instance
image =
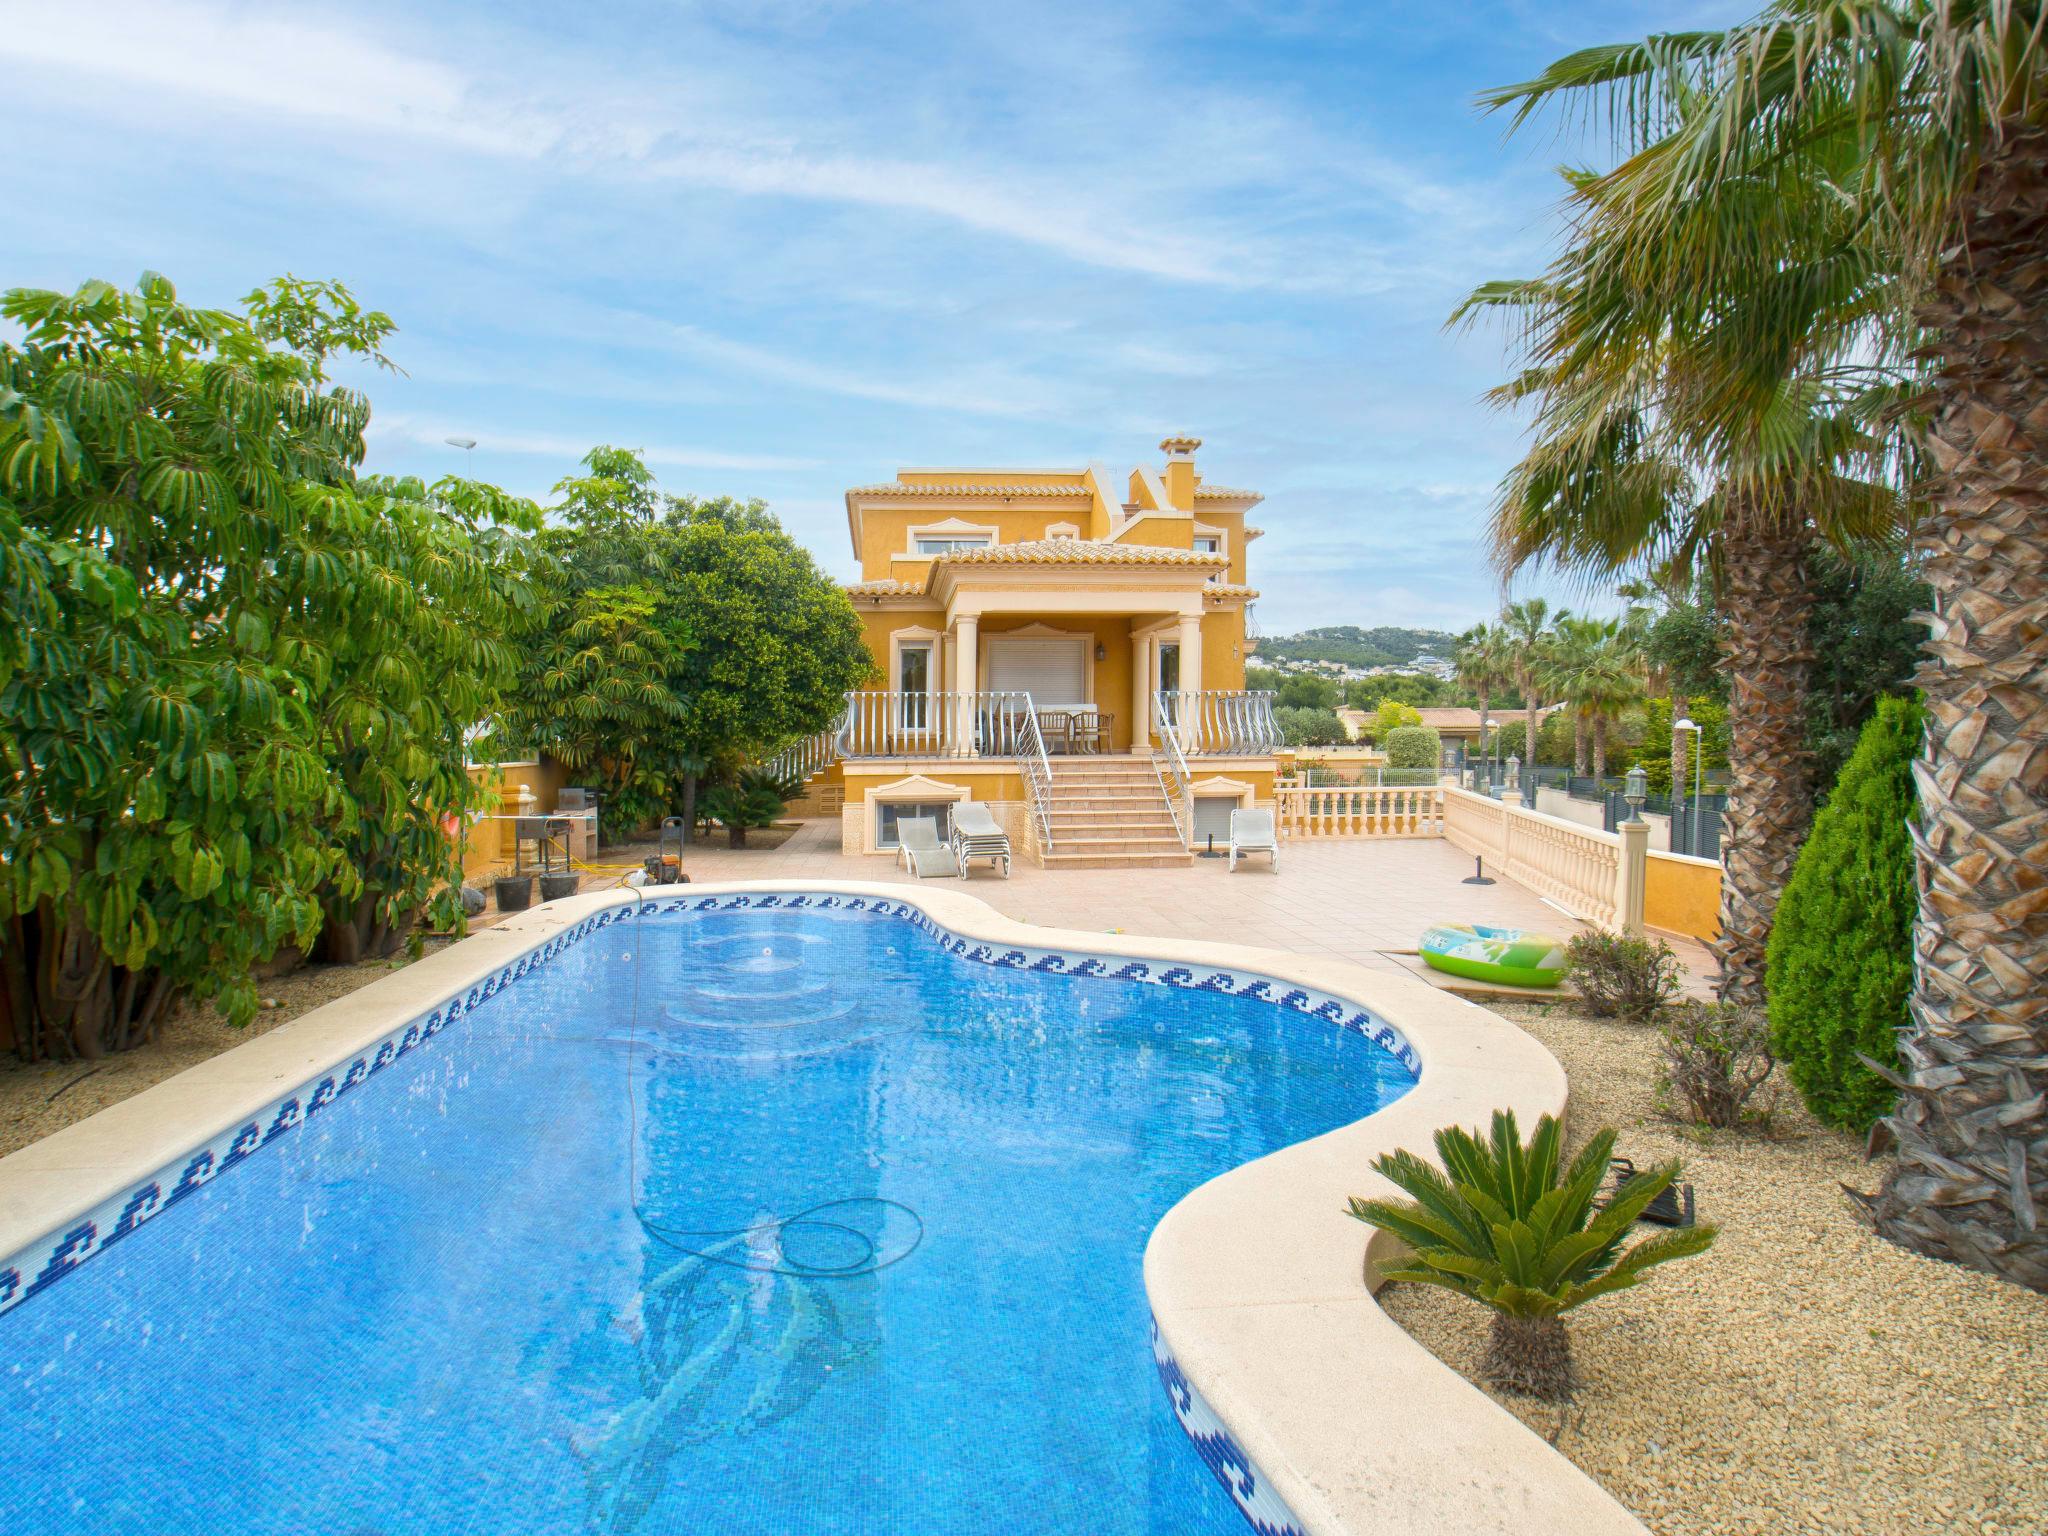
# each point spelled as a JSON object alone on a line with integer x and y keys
{"x": 1252, "y": 832}
{"x": 976, "y": 836}
{"x": 919, "y": 849}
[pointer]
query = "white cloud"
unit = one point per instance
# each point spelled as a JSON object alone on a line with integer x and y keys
{"x": 403, "y": 428}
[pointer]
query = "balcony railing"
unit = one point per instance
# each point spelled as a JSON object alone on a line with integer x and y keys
{"x": 952, "y": 724}
{"x": 1219, "y": 723}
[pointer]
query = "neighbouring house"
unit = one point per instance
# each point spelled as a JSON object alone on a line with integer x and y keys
{"x": 1065, "y": 645}
{"x": 1459, "y": 724}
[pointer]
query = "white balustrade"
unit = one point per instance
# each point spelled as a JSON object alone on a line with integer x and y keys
{"x": 1577, "y": 867}
{"x": 1359, "y": 811}
{"x": 942, "y": 724}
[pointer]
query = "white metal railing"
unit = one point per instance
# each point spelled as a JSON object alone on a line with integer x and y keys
{"x": 802, "y": 758}
{"x": 1171, "y": 764}
{"x": 1037, "y": 772}
{"x": 948, "y": 724}
{"x": 1359, "y": 810}
{"x": 1215, "y": 722}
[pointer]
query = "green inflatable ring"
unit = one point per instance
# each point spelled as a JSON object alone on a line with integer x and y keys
{"x": 1509, "y": 957}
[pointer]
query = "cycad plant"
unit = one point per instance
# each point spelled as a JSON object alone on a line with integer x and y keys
{"x": 1506, "y": 1224}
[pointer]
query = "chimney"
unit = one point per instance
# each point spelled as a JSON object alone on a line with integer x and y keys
{"x": 1180, "y": 471}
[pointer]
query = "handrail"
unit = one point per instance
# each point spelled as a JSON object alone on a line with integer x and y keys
{"x": 1037, "y": 774}
{"x": 806, "y": 755}
{"x": 1175, "y": 782}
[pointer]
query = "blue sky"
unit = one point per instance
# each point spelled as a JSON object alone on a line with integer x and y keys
{"x": 786, "y": 246}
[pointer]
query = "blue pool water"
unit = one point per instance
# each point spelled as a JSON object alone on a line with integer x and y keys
{"x": 745, "y": 1222}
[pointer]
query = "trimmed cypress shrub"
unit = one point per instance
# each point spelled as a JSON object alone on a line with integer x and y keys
{"x": 1412, "y": 746}
{"x": 1841, "y": 952}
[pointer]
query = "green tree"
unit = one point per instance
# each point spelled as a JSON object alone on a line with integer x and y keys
{"x": 1391, "y": 715}
{"x": 1303, "y": 692}
{"x": 1526, "y": 634}
{"x": 1412, "y": 747}
{"x": 682, "y": 638}
{"x": 1866, "y": 634}
{"x": 1301, "y": 726}
{"x": 1841, "y": 960}
{"x": 197, "y": 764}
{"x": 1482, "y": 663}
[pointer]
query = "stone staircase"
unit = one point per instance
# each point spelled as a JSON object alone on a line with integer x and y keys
{"x": 1110, "y": 813}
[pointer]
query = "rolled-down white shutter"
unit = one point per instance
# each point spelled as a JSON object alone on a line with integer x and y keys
{"x": 1053, "y": 672}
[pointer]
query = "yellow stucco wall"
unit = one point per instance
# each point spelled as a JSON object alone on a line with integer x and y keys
{"x": 1683, "y": 895}
{"x": 885, "y": 541}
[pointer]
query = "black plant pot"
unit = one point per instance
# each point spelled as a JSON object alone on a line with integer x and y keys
{"x": 515, "y": 893}
{"x": 555, "y": 887}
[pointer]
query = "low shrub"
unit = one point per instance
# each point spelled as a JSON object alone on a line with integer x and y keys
{"x": 1841, "y": 953}
{"x": 1412, "y": 746}
{"x": 1621, "y": 976}
{"x": 1717, "y": 1057}
{"x": 1513, "y": 1228}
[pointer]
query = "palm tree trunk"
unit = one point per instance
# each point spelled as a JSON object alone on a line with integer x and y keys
{"x": 1770, "y": 796}
{"x": 1600, "y": 749}
{"x": 1529, "y": 698}
{"x": 1971, "y": 1180}
{"x": 1578, "y": 744}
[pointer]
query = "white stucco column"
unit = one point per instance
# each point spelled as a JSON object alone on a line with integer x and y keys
{"x": 967, "y": 672}
{"x": 1141, "y": 693}
{"x": 1190, "y": 680}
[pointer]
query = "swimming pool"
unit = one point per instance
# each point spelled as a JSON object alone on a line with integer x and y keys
{"x": 753, "y": 1214}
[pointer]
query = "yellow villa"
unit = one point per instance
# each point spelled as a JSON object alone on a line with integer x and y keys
{"x": 1066, "y": 646}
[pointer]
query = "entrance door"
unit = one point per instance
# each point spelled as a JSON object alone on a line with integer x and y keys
{"x": 1053, "y": 672}
{"x": 1169, "y": 679}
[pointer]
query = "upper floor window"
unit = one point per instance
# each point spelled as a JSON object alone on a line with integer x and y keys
{"x": 1208, "y": 544}
{"x": 946, "y": 544}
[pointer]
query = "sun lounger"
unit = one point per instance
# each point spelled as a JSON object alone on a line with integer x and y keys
{"x": 976, "y": 836}
{"x": 920, "y": 850}
{"x": 1252, "y": 832}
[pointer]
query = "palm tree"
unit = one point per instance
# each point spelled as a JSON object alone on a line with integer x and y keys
{"x": 1647, "y": 600}
{"x": 1566, "y": 659}
{"x": 1940, "y": 109}
{"x": 1609, "y": 684}
{"x": 1480, "y": 660}
{"x": 1526, "y": 628}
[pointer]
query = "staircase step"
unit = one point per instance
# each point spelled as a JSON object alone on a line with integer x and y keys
{"x": 1179, "y": 858}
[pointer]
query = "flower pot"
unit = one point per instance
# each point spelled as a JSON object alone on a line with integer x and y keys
{"x": 555, "y": 887}
{"x": 515, "y": 892}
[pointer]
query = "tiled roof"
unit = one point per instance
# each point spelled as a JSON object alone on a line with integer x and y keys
{"x": 1077, "y": 552}
{"x": 897, "y": 488}
{"x": 1225, "y": 493}
{"x": 1461, "y": 717}
{"x": 1230, "y": 590}
{"x": 888, "y": 586}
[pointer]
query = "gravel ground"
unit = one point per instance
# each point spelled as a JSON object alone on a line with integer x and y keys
{"x": 36, "y": 1100}
{"x": 1802, "y": 1376}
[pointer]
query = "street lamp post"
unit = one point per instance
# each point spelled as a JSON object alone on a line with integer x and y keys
{"x": 1699, "y": 767}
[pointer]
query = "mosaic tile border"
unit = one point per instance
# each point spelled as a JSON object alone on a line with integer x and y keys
{"x": 43, "y": 1263}
{"x": 1265, "y": 1511}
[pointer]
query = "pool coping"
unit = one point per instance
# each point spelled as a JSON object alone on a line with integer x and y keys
{"x": 1319, "y": 1413}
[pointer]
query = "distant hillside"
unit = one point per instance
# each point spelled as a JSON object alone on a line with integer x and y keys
{"x": 1354, "y": 647}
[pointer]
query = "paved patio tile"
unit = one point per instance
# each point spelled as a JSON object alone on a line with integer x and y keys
{"x": 1351, "y": 899}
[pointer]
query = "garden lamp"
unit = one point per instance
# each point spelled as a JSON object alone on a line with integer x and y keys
{"x": 1699, "y": 766}
{"x": 1637, "y": 792}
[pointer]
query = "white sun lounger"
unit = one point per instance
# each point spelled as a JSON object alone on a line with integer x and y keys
{"x": 1252, "y": 832}
{"x": 976, "y": 836}
{"x": 920, "y": 850}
